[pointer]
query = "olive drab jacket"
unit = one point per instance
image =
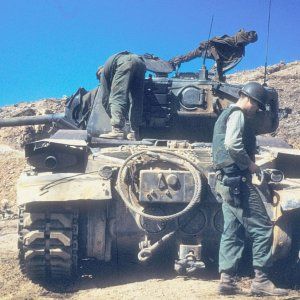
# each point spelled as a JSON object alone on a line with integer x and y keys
{"x": 244, "y": 149}
{"x": 227, "y": 49}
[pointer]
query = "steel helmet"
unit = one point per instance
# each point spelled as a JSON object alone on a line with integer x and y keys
{"x": 255, "y": 91}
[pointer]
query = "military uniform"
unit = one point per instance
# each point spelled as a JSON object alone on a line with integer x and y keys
{"x": 226, "y": 50}
{"x": 243, "y": 209}
{"x": 122, "y": 84}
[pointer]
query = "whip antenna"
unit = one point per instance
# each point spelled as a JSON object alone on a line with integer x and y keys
{"x": 206, "y": 47}
{"x": 267, "y": 45}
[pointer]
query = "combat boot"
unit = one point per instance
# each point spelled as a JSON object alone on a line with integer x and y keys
{"x": 262, "y": 286}
{"x": 227, "y": 285}
{"x": 115, "y": 133}
{"x": 133, "y": 135}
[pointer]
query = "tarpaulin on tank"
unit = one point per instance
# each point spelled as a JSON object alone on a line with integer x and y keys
{"x": 99, "y": 121}
{"x": 157, "y": 65}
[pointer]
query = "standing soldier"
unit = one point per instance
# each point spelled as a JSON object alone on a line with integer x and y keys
{"x": 227, "y": 51}
{"x": 122, "y": 85}
{"x": 233, "y": 156}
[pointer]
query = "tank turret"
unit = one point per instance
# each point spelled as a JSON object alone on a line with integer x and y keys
{"x": 187, "y": 107}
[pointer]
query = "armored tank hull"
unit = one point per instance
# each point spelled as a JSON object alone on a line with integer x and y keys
{"x": 82, "y": 197}
{"x": 138, "y": 197}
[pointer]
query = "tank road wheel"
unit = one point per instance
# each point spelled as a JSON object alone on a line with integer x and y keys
{"x": 48, "y": 247}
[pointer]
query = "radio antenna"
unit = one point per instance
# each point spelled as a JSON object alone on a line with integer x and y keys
{"x": 267, "y": 45}
{"x": 206, "y": 47}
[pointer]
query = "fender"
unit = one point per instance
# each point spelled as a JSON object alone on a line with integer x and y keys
{"x": 289, "y": 196}
{"x": 62, "y": 187}
{"x": 281, "y": 208}
{"x": 287, "y": 205}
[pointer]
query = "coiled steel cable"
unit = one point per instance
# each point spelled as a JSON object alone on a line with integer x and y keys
{"x": 124, "y": 191}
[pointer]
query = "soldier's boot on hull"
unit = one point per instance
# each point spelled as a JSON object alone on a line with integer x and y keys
{"x": 262, "y": 286}
{"x": 115, "y": 133}
{"x": 133, "y": 135}
{"x": 227, "y": 285}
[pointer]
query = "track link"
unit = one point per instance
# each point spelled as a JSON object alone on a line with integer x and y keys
{"x": 48, "y": 242}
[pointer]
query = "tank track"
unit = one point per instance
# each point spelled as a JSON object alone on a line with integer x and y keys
{"x": 48, "y": 242}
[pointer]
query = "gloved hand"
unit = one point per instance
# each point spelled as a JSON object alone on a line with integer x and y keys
{"x": 253, "y": 168}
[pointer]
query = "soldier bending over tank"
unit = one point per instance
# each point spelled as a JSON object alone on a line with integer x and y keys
{"x": 122, "y": 88}
{"x": 233, "y": 157}
{"x": 226, "y": 50}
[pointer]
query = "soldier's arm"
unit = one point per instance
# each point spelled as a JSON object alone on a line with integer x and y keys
{"x": 234, "y": 140}
{"x": 187, "y": 57}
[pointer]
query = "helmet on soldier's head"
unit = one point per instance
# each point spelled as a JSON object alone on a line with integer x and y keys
{"x": 255, "y": 91}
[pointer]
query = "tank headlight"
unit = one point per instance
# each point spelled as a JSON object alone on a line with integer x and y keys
{"x": 106, "y": 172}
{"x": 275, "y": 175}
{"x": 51, "y": 162}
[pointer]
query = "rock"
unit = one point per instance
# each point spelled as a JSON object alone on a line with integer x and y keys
{"x": 26, "y": 112}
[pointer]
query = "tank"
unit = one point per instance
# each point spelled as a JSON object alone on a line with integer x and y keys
{"x": 84, "y": 197}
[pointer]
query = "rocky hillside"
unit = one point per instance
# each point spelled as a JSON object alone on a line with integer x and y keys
{"x": 18, "y": 136}
{"x": 114, "y": 283}
{"x": 12, "y": 161}
{"x": 284, "y": 77}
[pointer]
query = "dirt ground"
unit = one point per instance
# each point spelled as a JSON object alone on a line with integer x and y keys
{"x": 125, "y": 279}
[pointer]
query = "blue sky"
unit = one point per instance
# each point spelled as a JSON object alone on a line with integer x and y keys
{"x": 49, "y": 48}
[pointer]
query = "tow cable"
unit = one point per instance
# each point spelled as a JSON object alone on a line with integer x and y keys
{"x": 181, "y": 161}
